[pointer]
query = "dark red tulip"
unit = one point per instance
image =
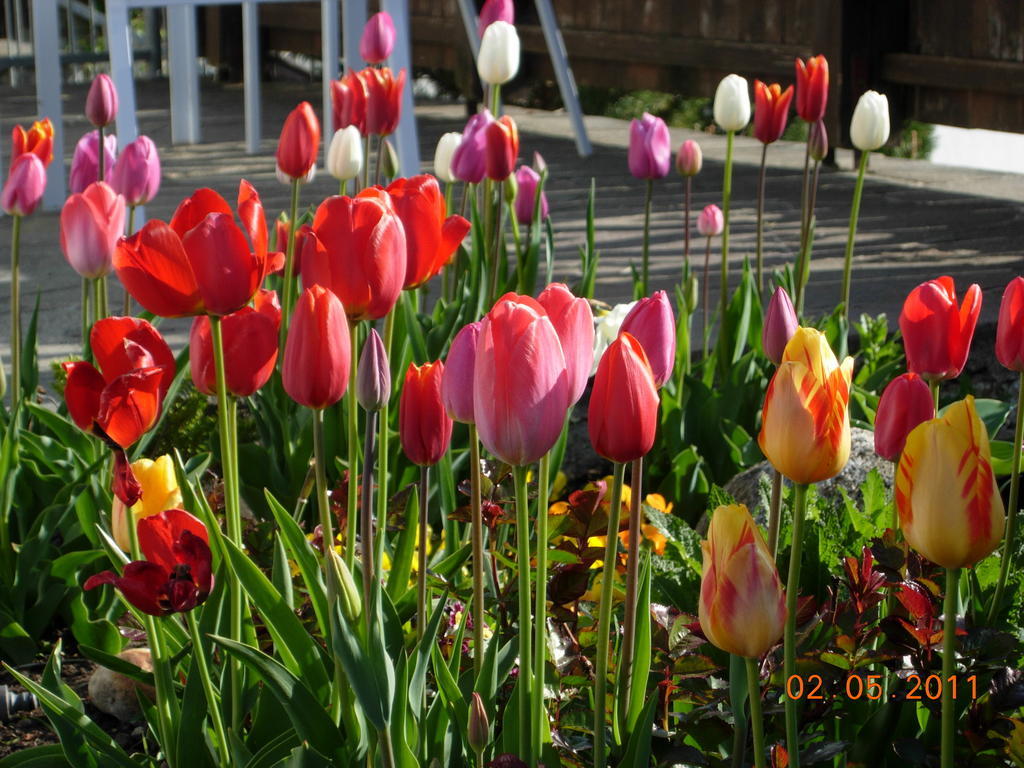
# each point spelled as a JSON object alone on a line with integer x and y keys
{"x": 383, "y": 99}
{"x": 423, "y": 424}
{"x": 811, "y": 88}
{"x": 317, "y": 354}
{"x": 771, "y": 109}
{"x": 348, "y": 102}
{"x": 936, "y": 332}
{"x": 176, "y": 575}
{"x": 299, "y": 143}
{"x": 623, "y": 413}
{"x": 431, "y": 237}
{"x": 905, "y": 403}
{"x": 1010, "y": 331}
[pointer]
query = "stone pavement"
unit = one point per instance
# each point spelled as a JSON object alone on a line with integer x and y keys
{"x": 917, "y": 220}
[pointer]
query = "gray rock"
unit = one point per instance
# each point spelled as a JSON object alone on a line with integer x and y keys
{"x": 115, "y": 694}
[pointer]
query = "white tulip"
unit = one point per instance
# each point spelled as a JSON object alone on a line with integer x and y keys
{"x": 446, "y": 147}
{"x": 498, "y": 60}
{"x": 345, "y": 155}
{"x": 869, "y": 127}
{"x": 606, "y": 329}
{"x": 732, "y": 103}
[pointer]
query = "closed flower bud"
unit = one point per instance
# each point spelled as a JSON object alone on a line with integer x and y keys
{"x": 710, "y": 222}
{"x": 692, "y": 294}
{"x": 946, "y": 494}
{"x": 299, "y": 143}
{"x": 811, "y": 88}
{"x": 936, "y": 332}
{"x": 101, "y": 103}
{"x": 378, "y": 38}
{"x": 457, "y": 382}
{"x": 91, "y": 223}
{"x": 423, "y": 425}
{"x": 742, "y": 607}
{"x": 390, "y": 164}
{"x": 817, "y": 141}
{"x": 653, "y": 324}
{"x": 373, "y": 376}
{"x": 349, "y": 596}
{"x": 574, "y": 324}
{"x": 650, "y": 150}
{"x": 345, "y": 155}
{"x": 869, "y": 126}
{"x": 689, "y": 158}
{"x": 623, "y": 413}
{"x": 1010, "y": 331}
{"x": 469, "y": 159}
{"x": 498, "y": 60}
{"x": 732, "y": 103}
{"x": 316, "y": 353}
{"x": 771, "y": 110}
{"x": 905, "y": 403}
{"x": 780, "y": 323}
{"x": 136, "y": 174}
{"x": 479, "y": 725}
{"x": 527, "y": 180}
{"x": 446, "y": 147}
{"x": 23, "y": 190}
{"x": 85, "y": 162}
{"x": 501, "y": 139}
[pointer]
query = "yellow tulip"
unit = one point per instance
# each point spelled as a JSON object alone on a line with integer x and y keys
{"x": 742, "y": 603}
{"x": 948, "y": 501}
{"x": 805, "y": 428}
{"x": 159, "y": 492}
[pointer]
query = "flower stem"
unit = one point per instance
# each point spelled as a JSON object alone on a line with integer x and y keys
{"x": 801, "y": 255}
{"x": 636, "y": 479}
{"x": 525, "y": 618}
{"x": 726, "y": 195}
{"x": 934, "y": 386}
{"x": 705, "y": 330}
{"x": 604, "y": 616}
{"x": 686, "y": 228}
{"x": 382, "y": 450}
{"x": 86, "y": 318}
{"x": 540, "y": 612}
{"x": 164, "y": 685}
{"x": 289, "y": 264}
{"x": 760, "y": 219}
{"x": 756, "y": 719}
{"x": 852, "y": 235}
{"x": 353, "y": 454}
{"x": 645, "y": 264}
{"x": 477, "y": 533}
{"x": 1011, "y": 510}
{"x": 366, "y": 515}
{"x": 130, "y": 232}
{"x": 212, "y": 700}
{"x": 320, "y": 468}
{"x": 792, "y": 595}
{"x": 421, "y": 555}
{"x": 100, "y": 156}
{"x": 16, "y": 312}
{"x": 775, "y": 514}
{"x": 949, "y": 665}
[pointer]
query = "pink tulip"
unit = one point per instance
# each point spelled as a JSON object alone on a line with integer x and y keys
{"x": 85, "y": 167}
{"x": 710, "y": 222}
{"x": 527, "y": 180}
{"x": 519, "y": 413}
{"x": 650, "y": 153}
{"x": 689, "y": 158}
{"x": 905, "y": 403}
{"x": 469, "y": 161}
{"x": 780, "y": 323}
{"x": 574, "y": 324}
{"x": 457, "y": 384}
{"x": 90, "y": 225}
{"x": 496, "y": 10}
{"x": 24, "y": 187}
{"x": 652, "y": 323}
{"x": 101, "y": 103}
{"x": 136, "y": 174}
{"x": 378, "y": 38}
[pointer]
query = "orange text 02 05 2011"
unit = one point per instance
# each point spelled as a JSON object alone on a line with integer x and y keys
{"x": 917, "y": 687}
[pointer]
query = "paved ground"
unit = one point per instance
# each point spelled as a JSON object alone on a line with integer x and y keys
{"x": 917, "y": 220}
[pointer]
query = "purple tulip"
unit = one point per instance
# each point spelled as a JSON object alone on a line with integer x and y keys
{"x": 652, "y": 323}
{"x": 469, "y": 161}
{"x": 780, "y": 323}
{"x": 457, "y": 382}
{"x": 527, "y": 180}
{"x": 650, "y": 153}
{"x": 24, "y": 186}
{"x": 85, "y": 163}
{"x": 817, "y": 141}
{"x": 373, "y": 377}
{"x": 101, "y": 103}
{"x": 496, "y": 10}
{"x": 378, "y": 38}
{"x": 136, "y": 174}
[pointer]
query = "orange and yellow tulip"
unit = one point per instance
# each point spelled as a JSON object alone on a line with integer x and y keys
{"x": 805, "y": 429}
{"x": 742, "y": 605}
{"x": 946, "y": 494}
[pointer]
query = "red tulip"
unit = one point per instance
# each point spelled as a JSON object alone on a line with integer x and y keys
{"x": 91, "y": 223}
{"x": 936, "y": 333}
{"x": 904, "y": 404}
{"x": 348, "y": 102}
{"x": 299, "y": 144}
{"x": 201, "y": 262}
{"x": 423, "y": 425}
{"x": 457, "y": 384}
{"x": 431, "y": 238}
{"x": 124, "y": 344}
{"x": 23, "y": 190}
{"x": 520, "y": 383}
{"x": 317, "y": 352}
{"x": 122, "y": 409}
{"x": 574, "y": 324}
{"x": 358, "y": 252}
{"x": 250, "y": 347}
{"x": 771, "y": 109}
{"x": 501, "y": 139}
{"x": 623, "y": 414}
{"x": 811, "y": 88}
{"x": 37, "y": 140}
{"x": 383, "y": 99}
{"x": 1010, "y": 331}
{"x": 177, "y": 573}
{"x": 652, "y": 323}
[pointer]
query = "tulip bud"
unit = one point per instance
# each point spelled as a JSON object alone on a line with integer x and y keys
{"x": 817, "y": 141}
{"x": 479, "y": 726}
{"x": 85, "y": 162}
{"x": 771, "y": 111}
{"x": 780, "y": 323}
{"x": 732, "y": 103}
{"x": 742, "y": 607}
{"x": 495, "y": 10}
{"x": 91, "y": 223}
{"x": 316, "y": 353}
{"x": 936, "y": 332}
{"x": 527, "y": 181}
{"x": 23, "y": 190}
{"x": 349, "y": 597}
{"x": 1010, "y": 331}
{"x": 689, "y": 159}
{"x": 373, "y": 377}
{"x": 623, "y": 413}
{"x": 905, "y": 403}
{"x": 299, "y": 144}
{"x": 653, "y": 324}
{"x": 510, "y": 189}
{"x": 345, "y": 155}
{"x": 101, "y": 103}
{"x": 457, "y": 382}
{"x": 136, "y": 174}
{"x": 650, "y": 153}
{"x": 574, "y": 324}
{"x": 498, "y": 60}
{"x": 423, "y": 425}
{"x": 711, "y": 222}
{"x": 502, "y": 148}
{"x": 811, "y": 88}
{"x": 3, "y": 380}
{"x": 469, "y": 159}
{"x": 869, "y": 126}
{"x": 446, "y": 147}
{"x": 390, "y": 165}
{"x": 692, "y": 294}
{"x": 378, "y": 38}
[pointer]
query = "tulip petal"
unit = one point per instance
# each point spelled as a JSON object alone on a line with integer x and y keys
{"x": 82, "y": 393}
{"x": 159, "y": 534}
{"x": 193, "y": 209}
{"x": 226, "y": 271}
{"x": 130, "y": 404}
{"x": 153, "y": 267}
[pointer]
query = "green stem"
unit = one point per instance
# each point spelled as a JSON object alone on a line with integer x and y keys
{"x": 934, "y": 386}
{"x": 477, "y": 525}
{"x": 686, "y": 228}
{"x": 353, "y": 453}
{"x": 100, "y": 156}
{"x": 86, "y": 294}
{"x": 366, "y": 514}
{"x": 604, "y": 617}
{"x": 366, "y": 162}
{"x": 320, "y": 469}
{"x": 645, "y": 264}
{"x": 801, "y": 255}
{"x": 540, "y": 612}
{"x": 102, "y": 298}
{"x": 852, "y": 234}
{"x": 726, "y": 196}
{"x": 525, "y": 619}
{"x": 212, "y": 700}
{"x": 756, "y": 718}
{"x": 15, "y": 312}
{"x": 775, "y": 514}
{"x": 164, "y": 684}
{"x": 949, "y": 665}
{"x": 705, "y": 329}
{"x": 421, "y": 555}
{"x": 289, "y": 265}
{"x": 131, "y": 231}
{"x": 760, "y": 219}
{"x": 387, "y": 753}
{"x": 792, "y": 595}
{"x": 382, "y": 450}
{"x": 1011, "y": 510}
{"x": 636, "y": 478}
{"x": 496, "y": 101}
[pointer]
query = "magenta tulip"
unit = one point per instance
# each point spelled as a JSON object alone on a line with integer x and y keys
{"x": 378, "y": 38}
{"x": 527, "y": 180}
{"x": 650, "y": 152}
{"x": 495, "y": 10}
{"x": 136, "y": 174}
{"x": 101, "y": 103}
{"x": 24, "y": 187}
{"x": 457, "y": 384}
{"x": 91, "y": 223}
{"x": 780, "y": 323}
{"x": 574, "y": 324}
{"x": 85, "y": 168}
{"x": 652, "y": 323}
{"x": 469, "y": 161}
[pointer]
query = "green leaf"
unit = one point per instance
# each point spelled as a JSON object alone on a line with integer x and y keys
{"x": 401, "y": 563}
{"x": 272, "y": 752}
{"x": 47, "y": 756}
{"x": 642, "y": 644}
{"x": 638, "y": 748}
{"x": 117, "y": 664}
{"x": 370, "y": 672}
{"x": 302, "y": 553}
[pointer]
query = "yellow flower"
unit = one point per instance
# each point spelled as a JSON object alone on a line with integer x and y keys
{"x": 160, "y": 492}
